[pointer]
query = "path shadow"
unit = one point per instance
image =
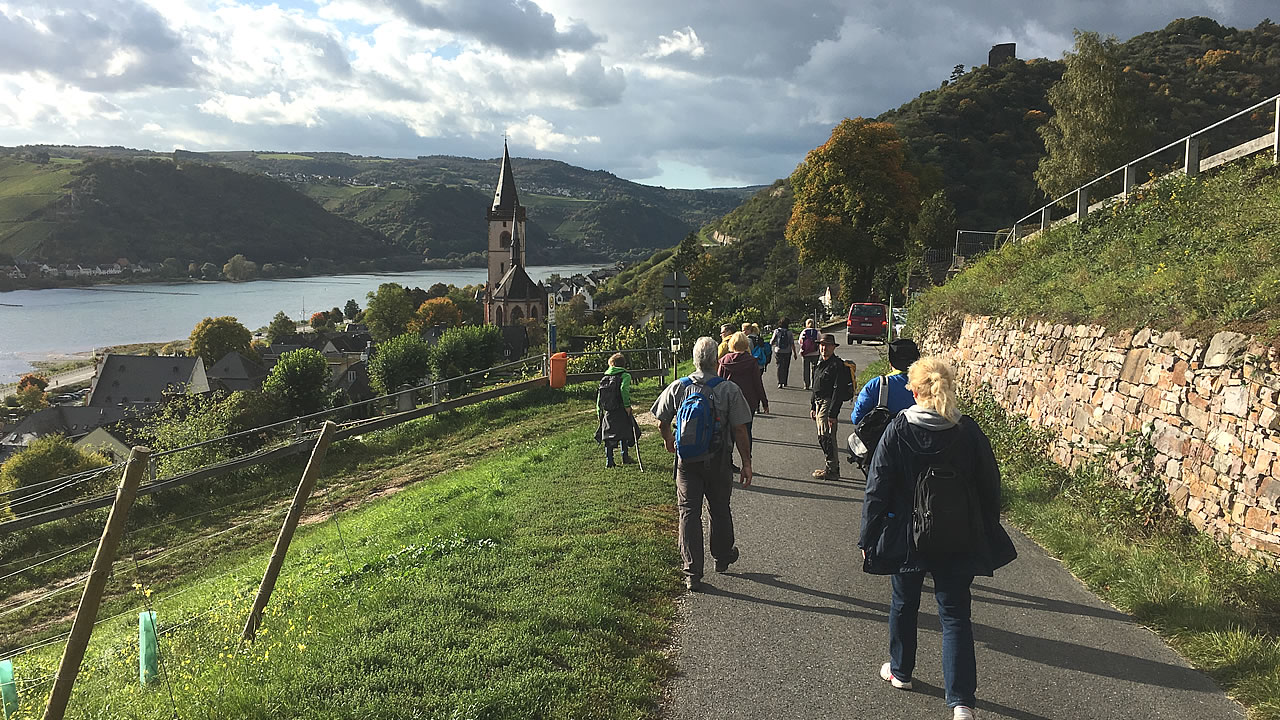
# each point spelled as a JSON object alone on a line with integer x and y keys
{"x": 788, "y": 443}
{"x": 1032, "y": 602}
{"x": 766, "y": 490}
{"x": 985, "y": 707}
{"x": 856, "y": 484}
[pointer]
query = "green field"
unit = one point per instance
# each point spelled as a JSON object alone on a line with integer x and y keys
{"x": 27, "y": 188}
{"x": 282, "y": 156}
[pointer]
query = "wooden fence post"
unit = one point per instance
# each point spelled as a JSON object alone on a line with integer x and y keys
{"x": 99, "y": 572}
{"x": 1192, "y": 165}
{"x": 305, "y": 487}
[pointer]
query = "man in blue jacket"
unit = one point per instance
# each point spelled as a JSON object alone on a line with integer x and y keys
{"x": 901, "y": 354}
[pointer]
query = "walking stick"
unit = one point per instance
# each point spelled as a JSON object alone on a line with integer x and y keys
{"x": 635, "y": 433}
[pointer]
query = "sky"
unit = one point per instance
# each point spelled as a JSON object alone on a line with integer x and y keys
{"x": 680, "y": 93}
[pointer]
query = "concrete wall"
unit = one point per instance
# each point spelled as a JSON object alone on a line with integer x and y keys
{"x": 1211, "y": 408}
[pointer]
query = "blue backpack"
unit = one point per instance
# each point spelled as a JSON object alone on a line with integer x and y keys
{"x": 699, "y": 433}
{"x": 761, "y": 353}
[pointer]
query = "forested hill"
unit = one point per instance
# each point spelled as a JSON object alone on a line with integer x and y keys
{"x": 65, "y": 210}
{"x": 980, "y": 129}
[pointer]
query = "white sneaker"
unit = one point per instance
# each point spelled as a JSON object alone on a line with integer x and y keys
{"x": 960, "y": 712}
{"x": 887, "y": 675}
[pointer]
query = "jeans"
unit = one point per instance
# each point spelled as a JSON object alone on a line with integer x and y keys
{"x": 711, "y": 479}
{"x": 810, "y": 362}
{"x": 784, "y": 366}
{"x": 959, "y": 666}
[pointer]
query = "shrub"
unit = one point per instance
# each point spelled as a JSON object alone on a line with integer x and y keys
{"x": 298, "y": 381}
{"x": 44, "y": 459}
{"x": 402, "y": 360}
{"x": 466, "y": 349}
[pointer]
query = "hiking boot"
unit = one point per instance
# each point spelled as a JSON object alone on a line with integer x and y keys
{"x": 628, "y": 460}
{"x": 722, "y": 564}
{"x": 609, "y": 463}
{"x": 887, "y": 675}
{"x": 692, "y": 584}
{"x": 962, "y": 712}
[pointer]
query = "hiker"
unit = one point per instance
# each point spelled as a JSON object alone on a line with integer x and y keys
{"x": 760, "y": 350}
{"x": 832, "y": 387}
{"x": 726, "y": 332}
{"x": 740, "y": 367}
{"x": 809, "y": 350}
{"x": 704, "y": 401}
{"x": 932, "y": 460}
{"x": 616, "y": 421}
{"x": 783, "y": 343}
{"x": 869, "y": 426}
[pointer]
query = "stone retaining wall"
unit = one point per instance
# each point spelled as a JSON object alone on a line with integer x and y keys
{"x": 1211, "y": 410}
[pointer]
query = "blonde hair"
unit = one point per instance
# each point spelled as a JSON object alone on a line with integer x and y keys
{"x": 739, "y": 342}
{"x": 934, "y": 383}
{"x": 755, "y": 329}
{"x": 746, "y": 327}
{"x": 808, "y": 323}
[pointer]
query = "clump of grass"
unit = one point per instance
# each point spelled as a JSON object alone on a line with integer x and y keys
{"x": 1218, "y": 609}
{"x": 1187, "y": 253}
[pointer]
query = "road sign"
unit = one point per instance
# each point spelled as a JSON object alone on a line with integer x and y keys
{"x": 551, "y": 308}
{"x": 675, "y": 317}
{"x": 675, "y": 286}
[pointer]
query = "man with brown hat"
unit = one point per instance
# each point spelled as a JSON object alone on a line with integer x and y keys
{"x": 832, "y": 387}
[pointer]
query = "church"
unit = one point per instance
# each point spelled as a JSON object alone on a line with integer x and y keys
{"x": 510, "y": 295}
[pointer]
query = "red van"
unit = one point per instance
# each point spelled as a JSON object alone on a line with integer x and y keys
{"x": 868, "y": 321}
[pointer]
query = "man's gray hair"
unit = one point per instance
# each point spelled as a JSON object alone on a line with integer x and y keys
{"x": 705, "y": 356}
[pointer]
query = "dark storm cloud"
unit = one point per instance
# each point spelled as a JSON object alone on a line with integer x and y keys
{"x": 75, "y": 43}
{"x": 518, "y": 27}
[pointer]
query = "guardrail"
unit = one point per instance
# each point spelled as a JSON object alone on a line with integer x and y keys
{"x": 1191, "y": 162}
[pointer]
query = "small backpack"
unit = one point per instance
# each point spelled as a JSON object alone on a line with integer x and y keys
{"x": 761, "y": 353}
{"x": 699, "y": 430}
{"x": 782, "y": 339}
{"x": 611, "y": 392}
{"x": 947, "y": 514}
{"x": 873, "y": 424}
{"x": 808, "y": 341}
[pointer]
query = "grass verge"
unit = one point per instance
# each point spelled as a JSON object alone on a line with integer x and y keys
{"x": 532, "y": 583}
{"x": 1218, "y": 610}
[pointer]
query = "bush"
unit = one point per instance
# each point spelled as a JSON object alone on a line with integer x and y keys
{"x": 298, "y": 380}
{"x": 617, "y": 337}
{"x": 466, "y": 349}
{"x": 402, "y": 360}
{"x": 44, "y": 459}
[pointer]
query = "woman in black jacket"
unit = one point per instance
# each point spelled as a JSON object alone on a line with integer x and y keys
{"x": 932, "y": 438}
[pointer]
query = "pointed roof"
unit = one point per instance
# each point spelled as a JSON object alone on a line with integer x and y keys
{"x": 517, "y": 285}
{"x": 505, "y": 200}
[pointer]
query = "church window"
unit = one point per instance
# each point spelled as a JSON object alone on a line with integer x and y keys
{"x": 502, "y": 268}
{"x": 500, "y": 316}
{"x": 504, "y": 239}
{"x": 516, "y": 314}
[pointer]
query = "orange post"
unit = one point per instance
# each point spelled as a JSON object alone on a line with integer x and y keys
{"x": 559, "y": 369}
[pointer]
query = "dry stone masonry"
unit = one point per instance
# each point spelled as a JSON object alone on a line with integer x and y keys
{"x": 1211, "y": 411}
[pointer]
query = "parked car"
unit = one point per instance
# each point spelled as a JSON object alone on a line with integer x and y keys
{"x": 867, "y": 321}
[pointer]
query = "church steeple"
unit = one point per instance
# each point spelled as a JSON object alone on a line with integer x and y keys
{"x": 505, "y": 201}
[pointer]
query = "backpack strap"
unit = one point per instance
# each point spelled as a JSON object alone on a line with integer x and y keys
{"x": 884, "y": 391}
{"x": 687, "y": 381}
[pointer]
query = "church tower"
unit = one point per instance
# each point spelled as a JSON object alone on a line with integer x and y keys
{"x": 511, "y": 296}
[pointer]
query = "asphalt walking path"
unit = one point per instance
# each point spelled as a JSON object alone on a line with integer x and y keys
{"x": 795, "y": 629}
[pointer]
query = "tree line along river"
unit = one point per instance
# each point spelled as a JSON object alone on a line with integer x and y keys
{"x": 46, "y": 324}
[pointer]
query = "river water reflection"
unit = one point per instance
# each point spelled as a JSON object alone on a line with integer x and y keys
{"x": 37, "y": 324}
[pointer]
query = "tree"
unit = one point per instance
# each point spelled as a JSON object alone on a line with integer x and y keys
{"x": 1098, "y": 121}
{"x": 298, "y": 381}
{"x": 466, "y": 349}
{"x": 171, "y": 267}
{"x": 402, "y": 360}
{"x": 209, "y": 271}
{"x": 320, "y": 321}
{"x": 176, "y": 349}
{"x": 687, "y": 253}
{"x": 335, "y": 316}
{"x": 351, "y": 309}
{"x": 854, "y": 199}
{"x": 280, "y": 327}
{"x": 47, "y": 458}
{"x": 30, "y": 392}
{"x": 934, "y": 229}
{"x": 436, "y": 311}
{"x": 213, "y": 338}
{"x": 240, "y": 268}
{"x": 389, "y": 312}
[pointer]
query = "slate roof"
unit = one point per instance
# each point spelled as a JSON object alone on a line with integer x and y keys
{"x": 505, "y": 201}
{"x": 70, "y": 420}
{"x": 517, "y": 285}
{"x": 144, "y": 380}
{"x": 236, "y": 372}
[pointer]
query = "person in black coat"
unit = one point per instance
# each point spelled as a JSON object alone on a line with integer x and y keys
{"x": 932, "y": 433}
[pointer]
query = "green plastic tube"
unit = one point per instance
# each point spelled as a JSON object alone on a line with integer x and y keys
{"x": 8, "y": 689}
{"x": 148, "y": 653}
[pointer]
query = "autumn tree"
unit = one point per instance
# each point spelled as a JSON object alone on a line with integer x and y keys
{"x": 436, "y": 311}
{"x": 30, "y": 392}
{"x": 320, "y": 320}
{"x": 389, "y": 311}
{"x": 855, "y": 197}
{"x": 240, "y": 268}
{"x": 213, "y": 338}
{"x": 280, "y": 327}
{"x": 1098, "y": 122}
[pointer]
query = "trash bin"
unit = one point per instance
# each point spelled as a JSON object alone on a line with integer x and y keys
{"x": 559, "y": 369}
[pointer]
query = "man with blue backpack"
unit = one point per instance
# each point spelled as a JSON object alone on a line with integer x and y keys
{"x": 701, "y": 418}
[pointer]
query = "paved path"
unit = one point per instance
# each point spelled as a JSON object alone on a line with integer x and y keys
{"x": 796, "y": 630}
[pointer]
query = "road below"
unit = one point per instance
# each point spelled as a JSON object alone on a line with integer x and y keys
{"x": 796, "y": 630}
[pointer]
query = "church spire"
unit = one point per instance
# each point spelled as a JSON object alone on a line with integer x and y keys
{"x": 504, "y": 198}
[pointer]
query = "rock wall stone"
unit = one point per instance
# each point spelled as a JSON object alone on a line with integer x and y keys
{"x": 1211, "y": 410}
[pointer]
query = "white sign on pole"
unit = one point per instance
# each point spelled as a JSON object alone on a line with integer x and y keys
{"x": 551, "y": 308}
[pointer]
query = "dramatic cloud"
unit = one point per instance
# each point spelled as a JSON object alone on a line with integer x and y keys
{"x": 676, "y": 92}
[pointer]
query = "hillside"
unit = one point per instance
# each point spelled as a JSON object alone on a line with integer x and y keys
{"x": 147, "y": 210}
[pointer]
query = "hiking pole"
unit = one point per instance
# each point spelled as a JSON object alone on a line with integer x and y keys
{"x": 635, "y": 433}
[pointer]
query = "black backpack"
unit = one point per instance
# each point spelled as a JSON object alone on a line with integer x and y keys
{"x": 947, "y": 515}
{"x": 611, "y": 392}
{"x": 872, "y": 425}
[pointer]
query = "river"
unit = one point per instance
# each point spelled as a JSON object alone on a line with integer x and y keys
{"x": 47, "y": 324}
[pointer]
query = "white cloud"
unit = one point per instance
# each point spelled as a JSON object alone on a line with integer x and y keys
{"x": 541, "y": 134}
{"x": 678, "y": 42}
